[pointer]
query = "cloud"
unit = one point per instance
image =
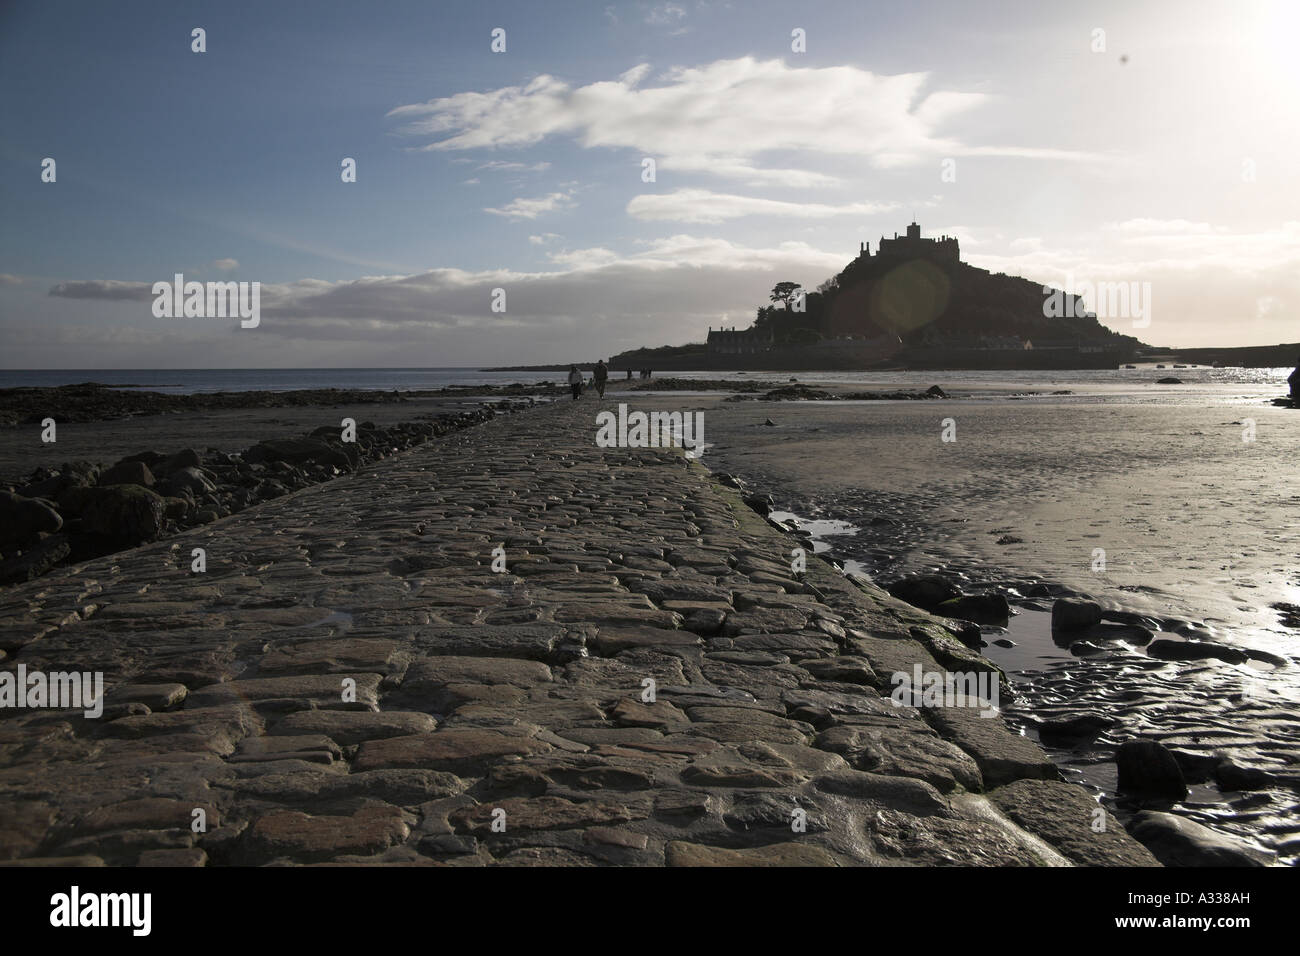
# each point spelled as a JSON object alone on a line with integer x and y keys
{"x": 594, "y": 300}
{"x": 543, "y": 238}
{"x": 500, "y": 165}
{"x": 532, "y": 208}
{"x": 721, "y": 118}
{"x": 1209, "y": 285}
{"x": 105, "y": 289}
{"x": 226, "y": 265}
{"x": 704, "y": 206}
{"x": 668, "y": 15}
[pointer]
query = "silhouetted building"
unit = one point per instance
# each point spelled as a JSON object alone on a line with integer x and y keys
{"x": 725, "y": 341}
{"x": 912, "y": 246}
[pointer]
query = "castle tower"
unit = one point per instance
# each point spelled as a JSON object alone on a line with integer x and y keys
{"x": 914, "y": 231}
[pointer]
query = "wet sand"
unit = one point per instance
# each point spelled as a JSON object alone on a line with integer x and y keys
{"x": 1199, "y": 530}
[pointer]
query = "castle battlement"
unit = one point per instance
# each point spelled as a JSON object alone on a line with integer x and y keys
{"x": 912, "y": 246}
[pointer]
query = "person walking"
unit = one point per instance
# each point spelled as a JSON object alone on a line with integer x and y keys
{"x": 600, "y": 373}
{"x": 575, "y": 381}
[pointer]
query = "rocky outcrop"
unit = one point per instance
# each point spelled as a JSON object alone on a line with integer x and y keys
{"x": 151, "y": 494}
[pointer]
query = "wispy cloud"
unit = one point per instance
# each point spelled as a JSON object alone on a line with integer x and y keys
{"x": 704, "y": 206}
{"x": 532, "y": 208}
{"x": 722, "y": 118}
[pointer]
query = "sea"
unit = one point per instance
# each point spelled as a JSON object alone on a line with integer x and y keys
{"x": 194, "y": 381}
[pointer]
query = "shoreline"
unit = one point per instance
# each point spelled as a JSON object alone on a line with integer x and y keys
{"x": 81, "y": 509}
{"x": 1069, "y": 713}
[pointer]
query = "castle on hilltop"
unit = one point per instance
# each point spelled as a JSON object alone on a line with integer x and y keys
{"x": 912, "y": 246}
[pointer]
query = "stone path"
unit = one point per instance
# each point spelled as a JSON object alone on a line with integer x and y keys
{"x": 350, "y": 681}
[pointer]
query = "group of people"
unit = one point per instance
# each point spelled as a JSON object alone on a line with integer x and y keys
{"x": 599, "y": 376}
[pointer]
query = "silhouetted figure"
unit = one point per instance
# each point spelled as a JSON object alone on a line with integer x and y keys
{"x": 599, "y": 375}
{"x": 629, "y": 375}
{"x": 1294, "y": 382}
{"x": 575, "y": 381}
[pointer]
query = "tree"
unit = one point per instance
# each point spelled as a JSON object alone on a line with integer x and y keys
{"x": 783, "y": 292}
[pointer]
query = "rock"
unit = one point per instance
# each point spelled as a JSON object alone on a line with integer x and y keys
{"x": 455, "y": 751}
{"x": 903, "y": 752}
{"x": 610, "y": 641}
{"x": 968, "y": 632}
{"x": 1063, "y": 815}
{"x": 22, "y": 519}
{"x": 1148, "y": 769}
{"x": 1004, "y": 642}
{"x": 185, "y": 458}
{"x": 297, "y": 451}
{"x": 924, "y": 590}
{"x": 1169, "y": 380}
{"x": 189, "y": 479}
{"x": 1002, "y": 756}
{"x": 34, "y": 561}
{"x": 128, "y": 473}
{"x": 1073, "y": 615}
{"x": 706, "y": 621}
{"x": 1171, "y": 650}
{"x": 1085, "y": 649}
{"x": 126, "y": 514}
{"x": 311, "y": 838}
{"x": 680, "y": 853}
{"x": 988, "y": 608}
{"x": 1177, "y": 841}
{"x": 1076, "y": 728}
{"x": 540, "y": 813}
{"x": 934, "y": 391}
{"x": 1233, "y": 776}
{"x": 349, "y": 727}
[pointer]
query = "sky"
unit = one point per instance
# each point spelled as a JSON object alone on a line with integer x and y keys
{"x": 1151, "y": 143}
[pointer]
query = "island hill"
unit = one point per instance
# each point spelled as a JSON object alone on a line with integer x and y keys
{"x": 914, "y": 304}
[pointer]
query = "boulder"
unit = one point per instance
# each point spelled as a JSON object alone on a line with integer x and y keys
{"x": 297, "y": 451}
{"x": 1148, "y": 769}
{"x": 986, "y": 608}
{"x": 1072, "y": 615}
{"x": 924, "y": 590}
{"x": 34, "y": 561}
{"x": 127, "y": 514}
{"x": 1177, "y": 841}
{"x": 128, "y": 473}
{"x": 22, "y": 519}
{"x": 185, "y": 458}
{"x": 1170, "y": 650}
{"x": 189, "y": 479}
